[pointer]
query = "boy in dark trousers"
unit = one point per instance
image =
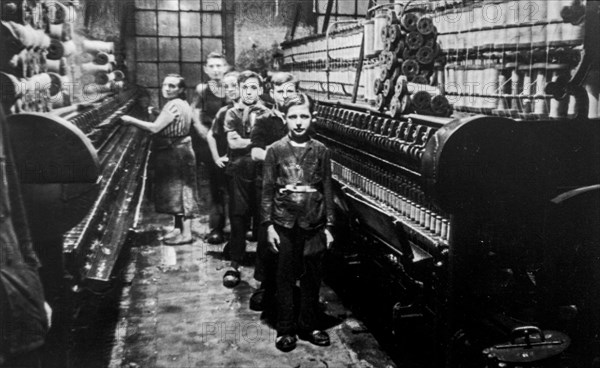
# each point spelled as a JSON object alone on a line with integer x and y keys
{"x": 268, "y": 128}
{"x": 297, "y": 210}
{"x": 208, "y": 99}
{"x": 238, "y": 124}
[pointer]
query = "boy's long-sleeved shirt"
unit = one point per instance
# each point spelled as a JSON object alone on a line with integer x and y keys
{"x": 268, "y": 129}
{"x": 218, "y": 129}
{"x": 237, "y": 119}
{"x": 309, "y": 169}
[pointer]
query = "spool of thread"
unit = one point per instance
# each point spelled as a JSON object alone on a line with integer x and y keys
{"x": 592, "y": 87}
{"x": 409, "y": 21}
{"x": 104, "y": 58}
{"x": 38, "y": 84}
{"x": 95, "y": 47}
{"x": 478, "y": 81}
{"x": 60, "y": 13}
{"x": 91, "y": 68}
{"x": 460, "y": 85}
{"x": 366, "y": 72}
{"x": 572, "y": 110}
{"x": 57, "y": 66}
{"x": 63, "y": 31}
{"x": 490, "y": 86}
{"x": 527, "y": 89}
{"x": 440, "y": 106}
{"x": 103, "y": 78}
{"x": 12, "y": 88}
{"x": 558, "y": 108}
{"x": 450, "y": 85}
{"x": 25, "y": 34}
{"x": 369, "y": 27}
{"x": 379, "y": 26}
{"x": 61, "y": 99}
{"x": 503, "y": 104}
{"x": 69, "y": 48}
{"x": 85, "y": 58}
{"x": 540, "y": 103}
{"x": 57, "y": 83}
{"x": 40, "y": 40}
{"x": 514, "y": 89}
{"x": 56, "y": 50}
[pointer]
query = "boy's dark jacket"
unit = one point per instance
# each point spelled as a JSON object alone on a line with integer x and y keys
{"x": 312, "y": 167}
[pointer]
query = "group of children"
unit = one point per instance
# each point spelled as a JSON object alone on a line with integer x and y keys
{"x": 278, "y": 179}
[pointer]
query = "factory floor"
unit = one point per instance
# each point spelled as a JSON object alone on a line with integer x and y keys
{"x": 175, "y": 313}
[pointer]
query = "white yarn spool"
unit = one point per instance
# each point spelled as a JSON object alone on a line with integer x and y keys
{"x": 98, "y": 46}
{"x": 369, "y": 27}
{"x": 56, "y": 66}
{"x": 379, "y": 23}
{"x": 540, "y": 105}
{"x": 592, "y": 88}
{"x": 490, "y": 87}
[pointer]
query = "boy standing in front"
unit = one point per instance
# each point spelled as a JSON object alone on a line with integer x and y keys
{"x": 208, "y": 99}
{"x": 241, "y": 169}
{"x": 297, "y": 210}
{"x": 269, "y": 128}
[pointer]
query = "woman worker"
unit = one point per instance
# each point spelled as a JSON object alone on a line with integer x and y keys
{"x": 175, "y": 189}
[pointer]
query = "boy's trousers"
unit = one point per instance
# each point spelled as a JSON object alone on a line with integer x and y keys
{"x": 293, "y": 265}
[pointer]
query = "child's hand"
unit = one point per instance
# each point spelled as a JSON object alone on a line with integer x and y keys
{"x": 328, "y": 238}
{"x": 273, "y": 238}
{"x": 221, "y": 161}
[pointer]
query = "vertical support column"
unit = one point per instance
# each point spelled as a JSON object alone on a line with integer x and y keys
{"x": 228, "y": 32}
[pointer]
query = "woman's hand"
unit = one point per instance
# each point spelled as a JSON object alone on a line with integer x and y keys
{"x": 328, "y": 238}
{"x": 126, "y": 119}
{"x": 273, "y": 238}
{"x": 221, "y": 161}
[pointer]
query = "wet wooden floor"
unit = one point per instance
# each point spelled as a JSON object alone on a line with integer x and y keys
{"x": 175, "y": 313}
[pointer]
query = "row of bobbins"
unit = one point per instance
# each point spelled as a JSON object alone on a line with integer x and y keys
{"x": 98, "y": 66}
{"x": 396, "y": 197}
{"x": 343, "y": 44}
{"x": 38, "y": 34}
{"x": 515, "y": 90}
{"x": 408, "y": 52}
{"x": 535, "y": 23}
{"x": 341, "y": 77}
{"x": 403, "y": 142}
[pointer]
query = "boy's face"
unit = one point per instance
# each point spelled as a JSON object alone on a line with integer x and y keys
{"x": 298, "y": 119}
{"x": 280, "y": 93}
{"x": 250, "y": 91}
{"x": 232, "y": 90}
{"x": 215, "y": 68}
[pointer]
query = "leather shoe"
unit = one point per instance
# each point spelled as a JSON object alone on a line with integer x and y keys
{"x": 257, "y": 300}
{"x": 286, "y": 343}
{"x": 215, "y": 238}
{"x": 316, "y": 337}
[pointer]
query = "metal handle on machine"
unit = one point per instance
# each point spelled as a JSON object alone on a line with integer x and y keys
{"x": 526, "y": 332}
